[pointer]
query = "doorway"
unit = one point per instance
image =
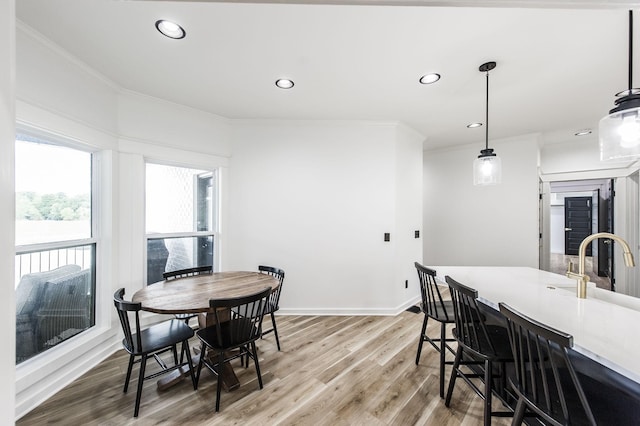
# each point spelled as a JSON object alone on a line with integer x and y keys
{"x": 578, "y": 214}
{"x": 578, "y": 209}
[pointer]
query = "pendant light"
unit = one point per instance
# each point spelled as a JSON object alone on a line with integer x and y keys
{"x": 619, "y": 132}
{"x": 487, "y": 168}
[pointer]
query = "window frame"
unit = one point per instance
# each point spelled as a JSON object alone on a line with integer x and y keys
{"x": 93, "y": 240}
{"x": 215, "y": 213}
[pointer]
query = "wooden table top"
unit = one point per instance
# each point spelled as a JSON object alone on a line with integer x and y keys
{"x": 192, "y": 294}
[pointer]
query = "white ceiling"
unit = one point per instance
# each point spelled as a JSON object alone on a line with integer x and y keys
{"x": 558, "y": 67}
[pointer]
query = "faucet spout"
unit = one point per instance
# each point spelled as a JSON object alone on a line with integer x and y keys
{"x": 581, "y": 276}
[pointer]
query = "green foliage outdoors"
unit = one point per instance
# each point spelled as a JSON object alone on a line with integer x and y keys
{"x": 60, "y": 206}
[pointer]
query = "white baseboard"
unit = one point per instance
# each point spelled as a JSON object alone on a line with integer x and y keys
{"x": 350, "y": 311}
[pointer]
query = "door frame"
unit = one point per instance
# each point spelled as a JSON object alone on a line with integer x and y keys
{"x": 626, "y": 219}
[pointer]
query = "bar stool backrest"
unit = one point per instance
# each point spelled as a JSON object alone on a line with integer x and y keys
{"x": 545, "y": 379}
{"x": 432, "y": 302}
{"x": 471, "y": 330}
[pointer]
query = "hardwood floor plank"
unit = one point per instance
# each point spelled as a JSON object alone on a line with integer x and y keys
{"x": 332, "y": 370}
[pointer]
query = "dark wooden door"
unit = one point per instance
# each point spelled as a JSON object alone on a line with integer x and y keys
{"x": 577, "y": 223}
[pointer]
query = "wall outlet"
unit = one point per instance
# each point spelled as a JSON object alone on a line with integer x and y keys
{"x": 406, "y": 283}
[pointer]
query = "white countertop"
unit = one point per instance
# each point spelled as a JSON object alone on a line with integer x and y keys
{"x": 604, "y": 325}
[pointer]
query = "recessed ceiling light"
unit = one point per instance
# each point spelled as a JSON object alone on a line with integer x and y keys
{"x": 584, "y": 132}
{"x": 429, "y": 78}
{"x": 170, "y": 29}
{"x": 474, "y": 125}
{"x": 284, "y": 83}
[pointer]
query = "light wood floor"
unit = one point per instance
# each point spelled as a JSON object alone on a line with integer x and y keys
{"x": 333, "y": 370}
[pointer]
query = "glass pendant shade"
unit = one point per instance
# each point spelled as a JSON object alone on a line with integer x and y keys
{"x": 487, "y": 169}
{"x": 619, "y": 134}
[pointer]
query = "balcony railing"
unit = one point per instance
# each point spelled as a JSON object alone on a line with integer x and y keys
{"x": 55, "y": 296}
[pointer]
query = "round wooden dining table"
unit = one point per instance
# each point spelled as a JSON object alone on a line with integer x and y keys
{"x": 191, "y": 295}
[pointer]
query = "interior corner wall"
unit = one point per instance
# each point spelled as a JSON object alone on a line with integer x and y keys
{"x": 408, "y": 212}
{"x": 315, "y": 199}
{"x": 7, "y": 209}
{"x": 482, "y": 225}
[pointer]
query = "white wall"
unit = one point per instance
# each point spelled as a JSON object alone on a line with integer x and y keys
{"x": 408, "y": 210}
{"x": 315, "y": 199}
{"x": 53, "y": 81}
{"x": 474, "y": 225}
{"x": 162, "y": 123}
{"x": 581, "y": 154}
{"x": 7, "y": 209}
{"x": 557, "y": 228}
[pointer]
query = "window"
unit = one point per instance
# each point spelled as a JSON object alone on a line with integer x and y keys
{"x": 180, "y": 217}
{"x": 55, "y": 248}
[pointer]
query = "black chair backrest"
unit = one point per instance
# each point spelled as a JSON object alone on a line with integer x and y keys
{"x": 432, "y": 303}
{"x": 279, "y": 275}
{"x": 123, "y": 307}
{"x": 471, "y": 330}
{"x": 245, "y": 322}
{"x": 543, "y": 370}
{"x": 188, "y": 272}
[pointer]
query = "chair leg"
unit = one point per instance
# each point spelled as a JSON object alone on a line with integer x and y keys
{"x": 443, "y": 344}
{"x": 143, "y": 365}
{"x": 275, "y": 331}
{"x": 219, "y": 385}
{"x": 255, "y": 361}
{"x": 175, "y": 355}
{"x": 126, "y": 381}
{"x": 424, "y": 329}
{"x": 185, "y": 349}
{"x": 203, "y": 354}
{"x": 503, "y": 381}
{"x": 454, "y": 374}
{"x": 487, "y": 392}
{"x": 186, "y": 321}
{"x": 518, "y": 415}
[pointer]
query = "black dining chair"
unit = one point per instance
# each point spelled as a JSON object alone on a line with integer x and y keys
{"x": 436, "y": 308}
{"x": 150, "y": 342}
{"x": 274, "y": 300}
{"x": 238, "y": 324}
{"x": 545, "y": 380}
{"x": 480, "y": 346}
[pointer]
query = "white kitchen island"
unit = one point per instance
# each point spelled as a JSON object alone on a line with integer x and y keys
{"x": 605, "y": 326}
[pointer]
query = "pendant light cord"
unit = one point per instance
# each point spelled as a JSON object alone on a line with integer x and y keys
{"x": 630, "y": 49}
{"x": 486, "y": 128}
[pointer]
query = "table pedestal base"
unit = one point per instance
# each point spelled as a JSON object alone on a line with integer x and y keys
{"x": 229, "y": 379}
